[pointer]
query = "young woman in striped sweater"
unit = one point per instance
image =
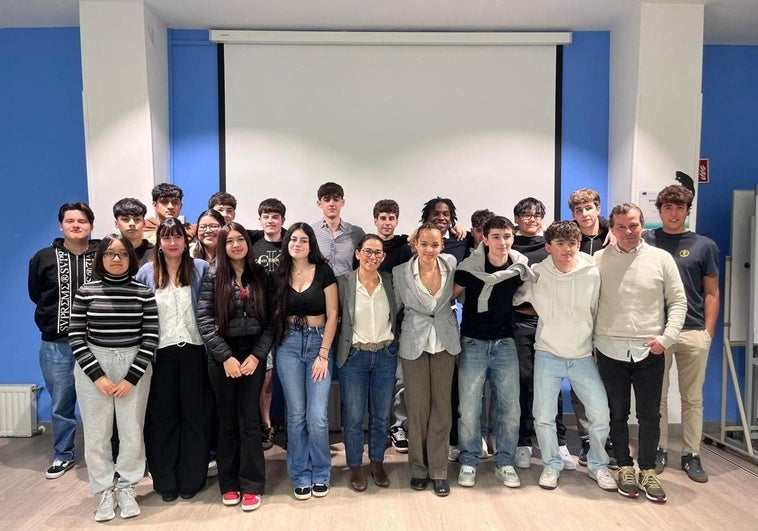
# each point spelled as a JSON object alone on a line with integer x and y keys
{"x": 113, "y": 334}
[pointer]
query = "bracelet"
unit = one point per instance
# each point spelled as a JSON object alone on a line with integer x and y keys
{"x": 323, "y": 348}
{"x": 324, "y": 358}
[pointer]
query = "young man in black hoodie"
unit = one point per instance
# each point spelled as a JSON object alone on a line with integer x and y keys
{"x": 595, "y": 229}
{"x": 530, "y": 241}
{"x": 55, "y": 275}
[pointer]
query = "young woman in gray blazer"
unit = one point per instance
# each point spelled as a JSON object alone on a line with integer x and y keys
{"x": 367, "y": 359}
{"x": 428, "y": 345}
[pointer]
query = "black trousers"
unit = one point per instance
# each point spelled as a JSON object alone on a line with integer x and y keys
{"x": 646, "y": 377}
{"x": 176, "y": 440}
{"x": 524, "y": 332}
{"x": 241, "y": 465}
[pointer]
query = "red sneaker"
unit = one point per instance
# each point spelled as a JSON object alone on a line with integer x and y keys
{"x": 231, "y": 498}
{"x": 250, "y": 502}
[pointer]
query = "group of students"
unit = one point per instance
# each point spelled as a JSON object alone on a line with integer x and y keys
{"x": 215, "y": 306}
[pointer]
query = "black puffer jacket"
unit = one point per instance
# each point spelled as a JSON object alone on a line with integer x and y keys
{"x": 241, "y": 325}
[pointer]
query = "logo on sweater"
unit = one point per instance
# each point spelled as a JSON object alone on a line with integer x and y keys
{"x": 684, "y": 253}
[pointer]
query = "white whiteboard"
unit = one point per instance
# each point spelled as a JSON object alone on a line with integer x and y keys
{"x": 473, "y": 123}
{"x": 744, "y": 255}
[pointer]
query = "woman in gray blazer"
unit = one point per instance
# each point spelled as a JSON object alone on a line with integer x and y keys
{"x": 367, "y": 359}
{"x": 428, "y": 345}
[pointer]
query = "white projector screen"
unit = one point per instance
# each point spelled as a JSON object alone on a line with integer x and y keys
{"x": 405, "y": 122}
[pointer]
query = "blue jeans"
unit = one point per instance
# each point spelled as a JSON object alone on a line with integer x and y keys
{"x": 549, "y": 372}
{"x": 497, "y": 360}
{"x": 367, "y": 376}
{"x": 308, "y": 457}
{"x": 57, "y": 363}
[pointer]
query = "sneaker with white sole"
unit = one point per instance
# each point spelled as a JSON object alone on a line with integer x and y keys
{"x": 627, "y": 482}
{"x": 399, "y": 439}
{"x": 452, "y": 453}
{"x": 250, "y": 501}
{"x": 467, "y": 476}
{"x": 106, "y": 509}
{"x": 523, "y": 457}
{"x": 58, "y": 468}
{"x": 507, "y": 474}
{"x": 127, "y": 500}
{"x": 549, "y": 478}
{"x": 567, "y": 458}
{"x": 492, "y": 444}
{"x": 651, "y": 486}
{"x": 604, "y": 478}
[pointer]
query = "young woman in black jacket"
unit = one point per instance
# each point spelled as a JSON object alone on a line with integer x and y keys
{"x": 233, "y": 320}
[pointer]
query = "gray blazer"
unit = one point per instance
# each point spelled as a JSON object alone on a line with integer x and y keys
{"x": 417, "y": 321}
{"x": 346, "y": 284}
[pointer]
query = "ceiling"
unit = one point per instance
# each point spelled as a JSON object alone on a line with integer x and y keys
{"x": 726, "y": 21}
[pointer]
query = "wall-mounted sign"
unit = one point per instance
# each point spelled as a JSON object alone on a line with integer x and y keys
{"x": 703, "y": 172}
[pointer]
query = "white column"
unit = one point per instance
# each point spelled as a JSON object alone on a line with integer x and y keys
{"x": 656, "y": 72}
{"x": 125, "y": 101}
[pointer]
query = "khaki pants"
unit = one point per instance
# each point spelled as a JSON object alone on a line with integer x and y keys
{"x": 691, "y": 353}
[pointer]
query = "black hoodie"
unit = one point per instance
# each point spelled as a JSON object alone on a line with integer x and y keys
{"x": 397, "y": 250}
{"x": 592, "y": 244}
{"x": 55, "y": 274}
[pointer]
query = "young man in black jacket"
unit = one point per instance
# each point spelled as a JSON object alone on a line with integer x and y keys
{"x": 55, "y": 275}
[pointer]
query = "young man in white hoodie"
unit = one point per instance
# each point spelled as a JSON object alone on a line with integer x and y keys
{"x": 565, "y": 297}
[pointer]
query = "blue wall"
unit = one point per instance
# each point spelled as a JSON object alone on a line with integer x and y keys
{"x": 730, "y": 140}
{"x": 42, "y": 165}
{"x": 42, "y": 159}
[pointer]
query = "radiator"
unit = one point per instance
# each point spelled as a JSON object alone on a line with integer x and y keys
{"x": 18, "y": 410}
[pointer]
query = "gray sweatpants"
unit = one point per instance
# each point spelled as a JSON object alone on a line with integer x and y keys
{"x": 97, "y": 418}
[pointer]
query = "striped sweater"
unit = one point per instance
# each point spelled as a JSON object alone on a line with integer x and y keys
{"x": 114, "y": 312}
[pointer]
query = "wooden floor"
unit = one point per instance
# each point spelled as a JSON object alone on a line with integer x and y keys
{"x": 728, "y": 501}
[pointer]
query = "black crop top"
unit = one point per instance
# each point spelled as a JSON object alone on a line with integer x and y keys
{"x": 312, "y": 300}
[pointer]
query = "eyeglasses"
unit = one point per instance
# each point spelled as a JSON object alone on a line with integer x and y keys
{"x": 213, "y": 227}
{"x": 111, "y": 255}
{"x": 531, "y": 216}
{"x": 368, "y": 253}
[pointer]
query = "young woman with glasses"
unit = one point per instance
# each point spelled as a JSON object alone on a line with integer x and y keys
{"x": 209, "y": 224}
{"x": 113, "y": 334}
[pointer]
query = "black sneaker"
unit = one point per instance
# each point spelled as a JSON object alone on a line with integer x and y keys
{"x": 58, "y": 468}
{"x": 267, "y": 436}
{"x": 399, "y": 440}
{"x": 320, "y": 490}
{"x": 302, "y": 493}
{"x": 691, "y": 464}
{"x": 583, "y": 452}
{"x": 662, "y": 459}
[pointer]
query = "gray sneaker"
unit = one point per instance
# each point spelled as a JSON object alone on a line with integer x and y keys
{"x": 507, "y": 474}
{"x": 106, "y": 508}
{"x": 523, "y": 456}
{"x": 127, "y": 500}
{"x": 661, "y": 460}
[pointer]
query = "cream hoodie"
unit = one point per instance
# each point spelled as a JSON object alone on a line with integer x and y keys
{"x": 566, "y": 304}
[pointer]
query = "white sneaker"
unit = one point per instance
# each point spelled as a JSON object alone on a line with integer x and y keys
{"x": 549, "y": 478}
{"x": 485, "y": 453}
{"x": 567, "y": 458}
{"x": 212, "y": 469}
{"x": 106, "y": 507}
{"x": 467, "y": 476}
{"x": 604, "y": 478}
{"x": 452, "y": 453}
{"x": 523, "y": 457}
{"x": 507, "y": 474}
{"x": 127, "y": 500}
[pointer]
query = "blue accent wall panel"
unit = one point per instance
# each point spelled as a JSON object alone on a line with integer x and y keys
{"x": 42, "y": 165}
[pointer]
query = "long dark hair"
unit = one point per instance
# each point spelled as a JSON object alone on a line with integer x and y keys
{"x": 254, "y": 282}
{"x": 199, "y": 250}
{"x": 171, "y": 227}
{"x": 98, "y": 270}
{"x": 283, "y": 274}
